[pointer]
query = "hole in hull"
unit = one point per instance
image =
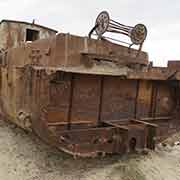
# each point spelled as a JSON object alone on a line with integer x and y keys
{"x": 132, "y": 144}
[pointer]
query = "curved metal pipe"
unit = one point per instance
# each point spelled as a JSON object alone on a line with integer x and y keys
{"x": 92, "y": 30}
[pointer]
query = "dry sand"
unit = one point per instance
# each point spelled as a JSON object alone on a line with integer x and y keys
{"x": 24, "y": 157}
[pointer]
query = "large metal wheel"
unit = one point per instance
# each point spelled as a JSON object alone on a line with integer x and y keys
{"x": 138, "y": 34}
{"x": 102, "y": 23}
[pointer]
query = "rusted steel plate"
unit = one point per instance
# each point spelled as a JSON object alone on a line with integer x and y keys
{"x": 144, "y": 97}
{"x": 85, "y": 100}
{"x": 164, "y": 101}
{"x": 60, "y": 86}
{"x": 118, "y": 98}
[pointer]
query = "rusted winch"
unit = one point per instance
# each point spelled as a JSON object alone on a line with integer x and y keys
{"x": 104, "y": 24}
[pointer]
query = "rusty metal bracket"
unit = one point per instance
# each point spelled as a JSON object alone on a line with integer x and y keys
{"x": 104, "y": 24}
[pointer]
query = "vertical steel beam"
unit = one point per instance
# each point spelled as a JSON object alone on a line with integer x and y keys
{"x": 100, "y": 98}
{"x": 152, "y": 112}
{"x": 70, "y": 101}
{"x": 136, "y": 99}
{"x": 152, "y": 99}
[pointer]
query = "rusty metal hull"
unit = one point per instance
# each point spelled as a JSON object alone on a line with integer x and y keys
{"x": 89, "y": 97}
{"x": 90, "y": 115}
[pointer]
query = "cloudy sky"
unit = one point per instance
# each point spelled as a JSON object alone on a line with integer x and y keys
{"x": 162, "y": 18}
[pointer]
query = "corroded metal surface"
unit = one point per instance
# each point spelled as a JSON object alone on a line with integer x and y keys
{"x": 89, "y": 97}
{"x": 13, "y": 33}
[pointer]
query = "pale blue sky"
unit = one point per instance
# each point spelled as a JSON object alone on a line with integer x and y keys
{"x": 162, "y": 18}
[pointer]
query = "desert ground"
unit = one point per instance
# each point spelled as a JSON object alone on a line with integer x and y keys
{"x": 23, "y": 156}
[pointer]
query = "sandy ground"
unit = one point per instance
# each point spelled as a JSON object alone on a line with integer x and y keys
{"x": 24, "y": 157}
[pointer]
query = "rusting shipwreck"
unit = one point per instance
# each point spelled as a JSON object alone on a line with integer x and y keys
{"x": 85, "y": 96}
